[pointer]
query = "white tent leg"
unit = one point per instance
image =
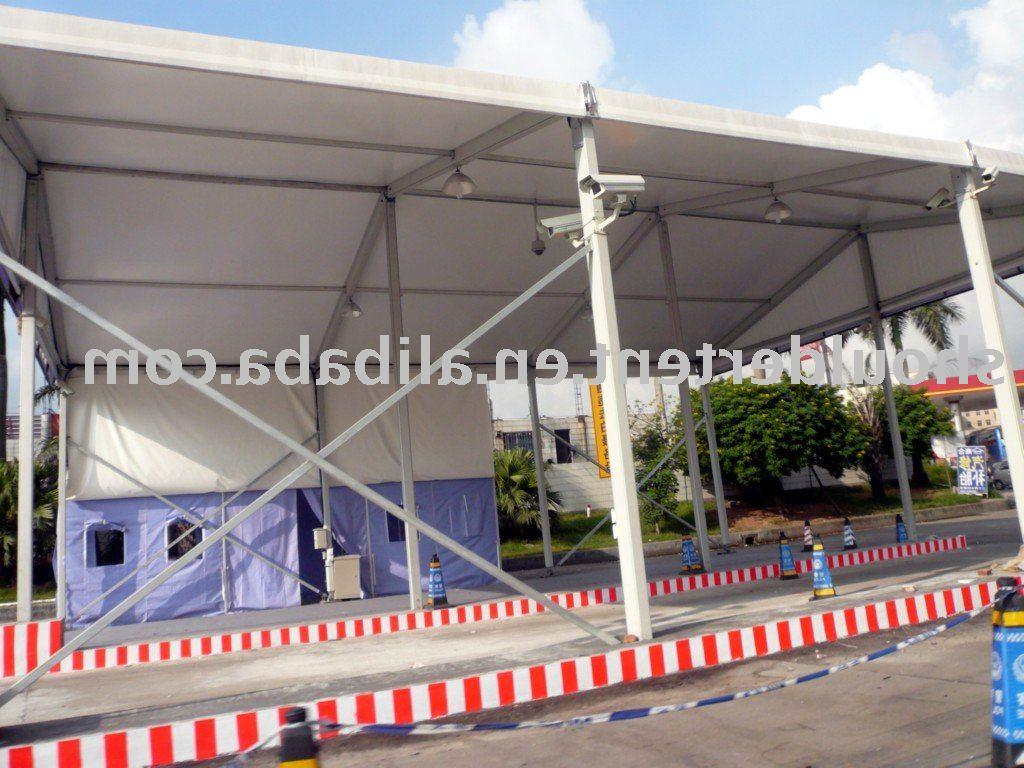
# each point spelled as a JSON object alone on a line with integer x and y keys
{"x": 620, "y": 449}
{"x": 871, "y": 288}
{"x": 693, "y": 464}
{"x": 982, "y": 279}
{"x": 716, "y": 467}
{"x": 412, "y": 539}
{"x": 325, "y": 497}
{"x": 61, "y": 523}
{"x": 538, "y": 463}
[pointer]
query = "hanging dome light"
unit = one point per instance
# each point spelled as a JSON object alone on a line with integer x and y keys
{"x": 777, "y": 211}
{"x": 459, "y": 185}
{"x": 351, "y": 309}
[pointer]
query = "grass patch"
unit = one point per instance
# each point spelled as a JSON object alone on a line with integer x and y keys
{"x": 39, "y": 592}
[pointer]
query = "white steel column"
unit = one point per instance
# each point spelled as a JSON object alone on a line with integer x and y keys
{"x": 685, "y": 401}
{"x": 60, "y": 524}
{"x": 26, "y": 408}
{"x": 412, "y": 537}
{"x": 325, "y": 495}
{"x": 878, "y": 331}
{"x": 716, "y": 468}
{"x": 982, "y": 279}
{"x": 538, "y": 463}
{"x": 700, "y": 519}
{"x": 620, "y": 449}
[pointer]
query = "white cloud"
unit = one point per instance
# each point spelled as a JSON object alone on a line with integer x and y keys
{"x": 988, "y": 106}
{"x": 550, "y": 39}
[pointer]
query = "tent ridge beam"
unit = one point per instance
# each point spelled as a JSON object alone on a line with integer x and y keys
{"x": 210, "y": 178}
{"x": 941, "y": 218}
{"x": 511, "y": 130}
{"x": 880, "y": 167}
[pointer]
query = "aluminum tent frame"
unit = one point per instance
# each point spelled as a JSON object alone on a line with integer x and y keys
{"x": 122, "y": 145}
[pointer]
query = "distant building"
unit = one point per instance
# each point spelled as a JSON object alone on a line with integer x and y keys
{"x": 44, "y": 426}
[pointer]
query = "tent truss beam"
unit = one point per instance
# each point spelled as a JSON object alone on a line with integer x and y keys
{"x": 870, "y": 169}
{"x": 15, "y": 140}
{"x": 507, "y": 132}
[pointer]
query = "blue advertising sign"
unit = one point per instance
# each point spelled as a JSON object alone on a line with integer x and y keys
{"x": 1008, "y": 684}
{"x": 972, "y": 470}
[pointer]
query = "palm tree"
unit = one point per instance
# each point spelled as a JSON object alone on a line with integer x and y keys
{"x": 43, "y": 512}
{"x": 515, "y": 486}
{"x": 3, "y": 382}
{"x": 934, "y": 321}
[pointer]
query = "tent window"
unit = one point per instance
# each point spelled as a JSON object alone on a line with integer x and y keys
{"x": 175, "y": 529}
{"x": 107, "y": 547}
{"x": 396, "y": 529}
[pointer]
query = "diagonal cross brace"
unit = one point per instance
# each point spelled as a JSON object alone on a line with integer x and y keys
{"x": 317, "y": 459}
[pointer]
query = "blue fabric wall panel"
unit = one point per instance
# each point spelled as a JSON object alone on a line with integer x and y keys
{"x": 273, "y": 532}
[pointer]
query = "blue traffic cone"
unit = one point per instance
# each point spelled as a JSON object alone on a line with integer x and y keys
{"x": 691, "y": 560}
{"x": 808, "y": 536}
{"x": 787, "y": 568}
{"x": 901, "y": 530}
{"x": 822, "y": 585}
{"x": 298, "y": 747}
{"x": 436, "y": 596}
{"x": 849, "y": 542}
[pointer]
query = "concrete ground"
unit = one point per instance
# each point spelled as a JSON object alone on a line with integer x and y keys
{"x": 73, "y": 703}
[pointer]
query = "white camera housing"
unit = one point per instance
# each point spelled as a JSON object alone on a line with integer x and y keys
{"x": 988, "y": 176}
{"x": 569, "y": 226}
{"x": 941, "y": 199}
{"x": 605, "y": 186}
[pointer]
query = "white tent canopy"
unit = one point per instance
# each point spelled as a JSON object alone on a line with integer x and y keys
{"x": 214, "y": 193}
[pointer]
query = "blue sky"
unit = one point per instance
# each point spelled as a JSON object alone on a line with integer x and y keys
{"x": 766, "y": 57}
{"x": 944, "y": 68}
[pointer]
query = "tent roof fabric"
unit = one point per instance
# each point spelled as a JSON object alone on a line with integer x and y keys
{"x": 227, "y": 185}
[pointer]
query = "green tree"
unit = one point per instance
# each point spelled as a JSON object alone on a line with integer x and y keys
{"x": 867, "y": 411}
{"x": 650, "y": 442}
{"x": 515, "y": 487}
{"x": 768, "y": 431}
{"x": 43, "y": 513}
{"x": 920, "y": 421}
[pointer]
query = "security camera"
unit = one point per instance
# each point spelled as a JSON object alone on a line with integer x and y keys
{"x": 606, "y": 186}
{"x": 570, "y": 226}
{"x": 988, "y": 176}
{"x": 538, "y": 246}
{"x": 941, "y": 199}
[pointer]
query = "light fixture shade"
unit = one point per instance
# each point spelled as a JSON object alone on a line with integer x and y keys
{"x": 778, "y": 211}
{"x": 351, "y": 309}
{"x": 459, "y": 185}
{"x": 538, "y": 246}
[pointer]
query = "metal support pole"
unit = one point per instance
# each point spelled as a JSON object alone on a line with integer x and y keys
{"x": 685, "y": 402}
{"x": 693, "y": 465}
{"x": 620, "y": 449}
{"x": 309, "y": 458}
{"x": 61, "y": 523}
{"x": 871, "y": 289}
{"x": 982, "y": 279}
{"x": 538, "y": 463}
{"x": 325, "y": 496}
{"x": 716, "y": 468}
{"x": 412, "y": 539}
{"x": 225, "y": 582}
{"x": 26, "y": 409}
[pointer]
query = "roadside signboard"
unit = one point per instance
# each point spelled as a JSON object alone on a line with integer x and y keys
{"x": 972, "y": 470}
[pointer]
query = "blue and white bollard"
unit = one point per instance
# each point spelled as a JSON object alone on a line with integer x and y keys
{"x": 436, "y": 596}
{"x": 901, "y": 530}
{"x": 1007, "y": 675}
{"x": 849, "y": 542}
{"x": 822, "y": 585}
{"x": 787, "y": 568}
{"x": 691, "y": 560}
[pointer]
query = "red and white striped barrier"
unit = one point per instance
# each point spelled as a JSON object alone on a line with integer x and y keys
{"x": 209, "y": 737}
{"x": 303, "y": 634}
{"x": 25, "y": 644}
